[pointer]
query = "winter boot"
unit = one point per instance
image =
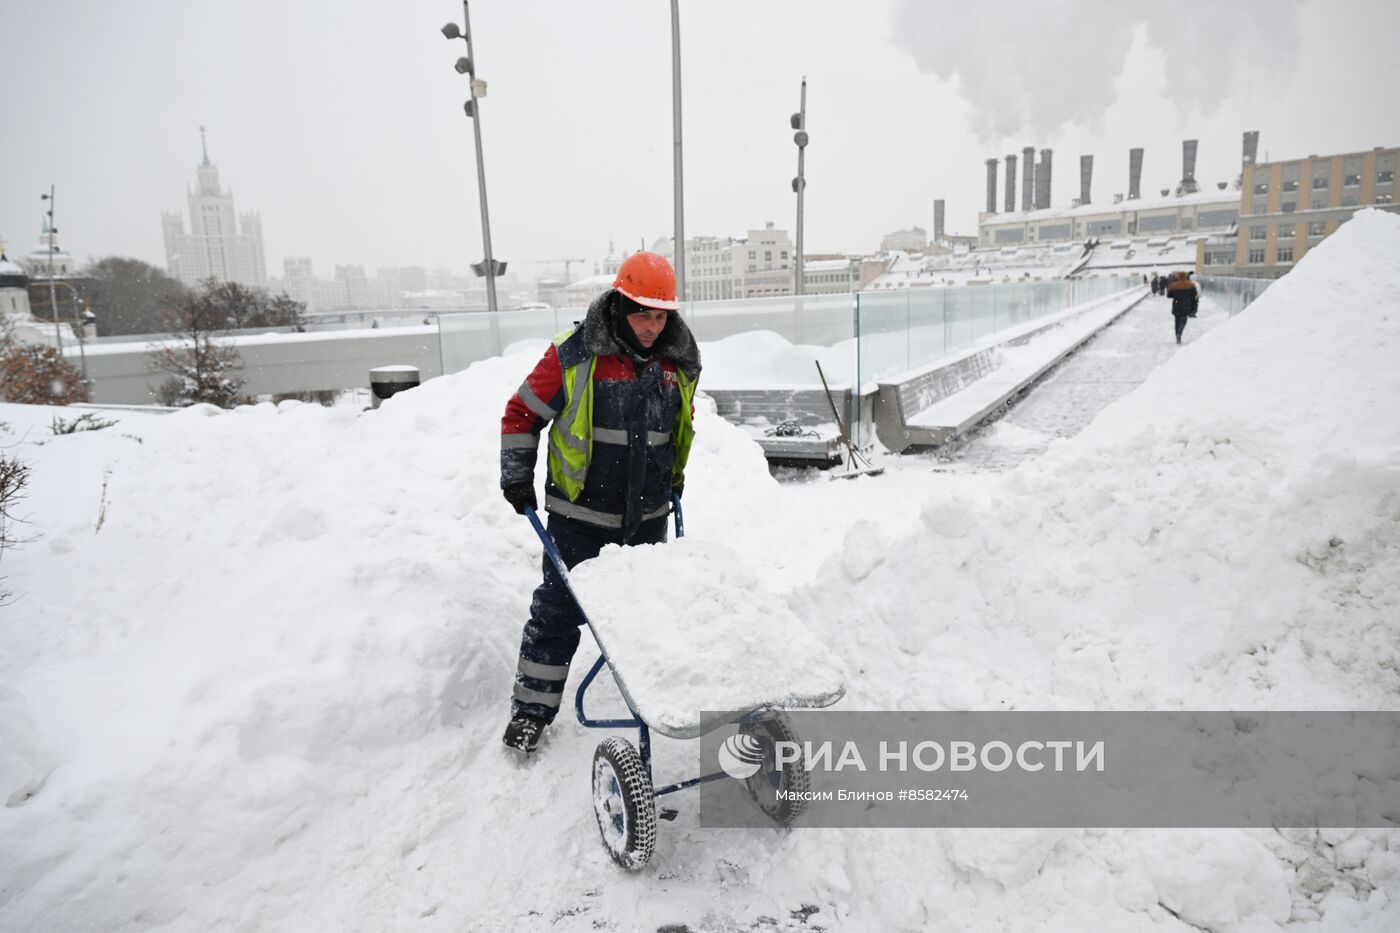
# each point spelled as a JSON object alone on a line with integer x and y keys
{"x": 523, "y": 733}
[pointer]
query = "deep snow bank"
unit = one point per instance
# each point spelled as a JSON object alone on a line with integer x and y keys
{"x": 267, "y": 694}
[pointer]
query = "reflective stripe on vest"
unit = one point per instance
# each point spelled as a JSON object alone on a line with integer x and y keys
{"x": 571, "y": 436}
{"x": 619, "y": 437}
{"x": 593, "y": 516}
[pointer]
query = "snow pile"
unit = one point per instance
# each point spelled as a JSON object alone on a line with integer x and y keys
{"x": 268, "y": 693}
{"x": 689, "y": 628}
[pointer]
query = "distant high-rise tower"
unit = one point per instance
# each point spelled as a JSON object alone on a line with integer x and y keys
{"x": 1250, "y": 154}
{"x": 938, "y": 221}
{"x": 1188, "y": 168}
{"x": 222, "y": 244}
{"x": 1086, "y": 177}
{"x": 1134, "y": 174}
{"x": 1028, "y": 178}
{"x": 1011, "y": 183}
{"x": 1042, "y": 180}
{"x": 1251, "y": 146}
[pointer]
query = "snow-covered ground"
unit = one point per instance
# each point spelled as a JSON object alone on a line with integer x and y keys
{"x": 266, "y": 694}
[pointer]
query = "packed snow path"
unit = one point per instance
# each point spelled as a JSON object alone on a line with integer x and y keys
{"x": 1109, "y": 366}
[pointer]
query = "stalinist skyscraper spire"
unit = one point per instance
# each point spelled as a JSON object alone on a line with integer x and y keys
{"x": 222, "y": 244}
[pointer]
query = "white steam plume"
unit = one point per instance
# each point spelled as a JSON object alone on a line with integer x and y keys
{"x": 1038, "y": 65}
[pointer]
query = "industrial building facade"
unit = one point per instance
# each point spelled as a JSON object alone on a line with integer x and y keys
{"x": 1187, "y": 210}
{"x": 1289, "y": 207}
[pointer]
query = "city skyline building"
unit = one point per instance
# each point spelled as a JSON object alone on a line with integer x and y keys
{"x": 222, "y": 244}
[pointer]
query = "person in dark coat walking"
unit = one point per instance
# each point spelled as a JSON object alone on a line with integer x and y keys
{"x": 1156, "y": 284}
{"x": 1185, "y": 300}
{"x": 618, "y": 393}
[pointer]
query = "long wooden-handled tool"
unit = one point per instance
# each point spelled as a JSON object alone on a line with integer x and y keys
{"x": 856, "y": 464}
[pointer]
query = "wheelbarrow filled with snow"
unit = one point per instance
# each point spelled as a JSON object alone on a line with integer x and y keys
{"x": 685, "y": 628}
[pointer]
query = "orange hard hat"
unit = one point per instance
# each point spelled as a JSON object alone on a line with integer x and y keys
{"x": 649, "y": 280}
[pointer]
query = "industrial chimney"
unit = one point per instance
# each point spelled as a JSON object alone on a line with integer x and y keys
{"x": 1086, "y": 177}
{"x": 1042, "y": 180}
{"x": 1011, "y": 183}
{"x": 1134, "y": 174}
{"x": 1028, "y": 178}
{"x": 938, "y": 221}
{"x": 991, "y": 186}
{"x": 1251, "y": 146}
{"x": 1188, "y": 168}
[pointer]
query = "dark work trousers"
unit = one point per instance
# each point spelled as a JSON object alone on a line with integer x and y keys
{"x": 552, "y": 634}
{"x": 1180, "y": 325}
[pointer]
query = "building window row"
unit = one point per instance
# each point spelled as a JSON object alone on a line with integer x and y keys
{"x": 1256, "y": 256}
{"x": 1285, "y": 255}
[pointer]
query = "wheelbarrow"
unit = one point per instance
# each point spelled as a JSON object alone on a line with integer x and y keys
{"x": 625, "y": 791}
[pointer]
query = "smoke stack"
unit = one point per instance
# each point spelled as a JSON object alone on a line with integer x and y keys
{"x": 938, "y": 221}
{"x": 1028, "y": 178}
{"x": 1086, "y": 177}
{"x": 1042, "y": 180}
{"x": 1134, "y": 174}
{"x": 1011, "y": 183}
{"x": 1251, "y": 146}
{"x": 1188, "y": 168}
{"x": 991, "y": 186}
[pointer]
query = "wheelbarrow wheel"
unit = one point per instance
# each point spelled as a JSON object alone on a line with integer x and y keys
{"x": 770, "y": 778}
{"x": 624, "y": 803}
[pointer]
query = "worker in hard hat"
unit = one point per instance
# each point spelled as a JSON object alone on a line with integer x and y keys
{"x": 619, "y": 392}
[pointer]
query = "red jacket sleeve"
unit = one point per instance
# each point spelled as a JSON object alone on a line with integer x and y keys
{"x": 536, "y": 403}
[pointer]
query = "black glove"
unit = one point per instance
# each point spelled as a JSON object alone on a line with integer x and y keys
{"x": 521, "y": 496}
{"x": 677, "y": 488}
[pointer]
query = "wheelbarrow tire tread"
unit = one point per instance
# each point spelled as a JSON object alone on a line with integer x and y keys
{"x": 793, "y": 777}
{"x": 638, "y": 800}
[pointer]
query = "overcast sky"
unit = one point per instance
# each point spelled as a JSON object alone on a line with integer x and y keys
{"x": 341, "y": 123}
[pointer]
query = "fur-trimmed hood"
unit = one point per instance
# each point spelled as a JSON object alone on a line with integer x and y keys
{"x": 676, "y": 342}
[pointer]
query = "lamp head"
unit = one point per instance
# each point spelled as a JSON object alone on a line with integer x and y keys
{"x": 451, "y": 31}
{"x": 464, "y": 66}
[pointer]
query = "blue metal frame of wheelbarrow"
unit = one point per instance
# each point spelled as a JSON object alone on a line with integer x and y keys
{"x": 643, "y": 730}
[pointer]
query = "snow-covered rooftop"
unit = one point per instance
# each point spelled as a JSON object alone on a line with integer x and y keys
{"x": 1227, "y": 197}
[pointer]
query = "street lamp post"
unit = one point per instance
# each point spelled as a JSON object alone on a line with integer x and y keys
{"x": 679, "y": 251}
{"x": 53, "y": 296}
{"x": 799, "y": 184}
{"x": 79, "y": 322}
{"x": 467, "y": 66}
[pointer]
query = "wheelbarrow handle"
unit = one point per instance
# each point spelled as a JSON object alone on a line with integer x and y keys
{"x": 548, "y": 541}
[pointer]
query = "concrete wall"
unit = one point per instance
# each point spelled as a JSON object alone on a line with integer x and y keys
{"x": 272, "y": 363}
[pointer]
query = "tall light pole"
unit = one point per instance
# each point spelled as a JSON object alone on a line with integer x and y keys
{"x": 53, "y": 295}
{"x": 676, "y": 143}
{"x": 467, "y": 66}
{"x": 799, "y": 184}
